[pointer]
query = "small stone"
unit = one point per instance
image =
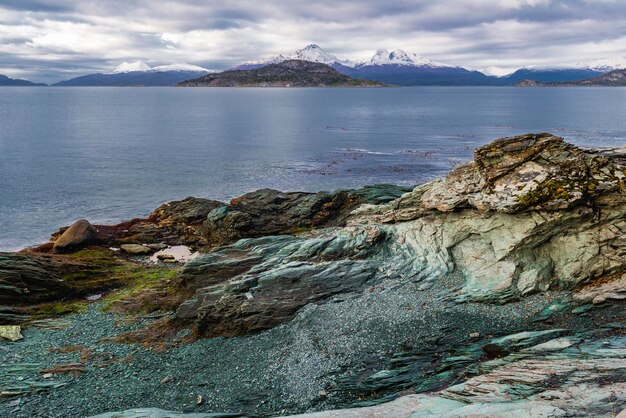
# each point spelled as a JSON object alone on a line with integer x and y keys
{"x": 136, "y": 249}
{"x": 93, "y": 298}
{"x": 474, "y": 335}
{"x": 164, "y": 257}
{"x": 11, "y": 332}
{"x": 166, "y": 379}
{"x": 47, "y": 375}
{"x": 157, "y": 247}
{"x": 199, "y": 400}
{"x": 322, "y": 394}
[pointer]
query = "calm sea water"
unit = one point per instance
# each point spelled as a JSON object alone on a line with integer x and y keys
{"x": 109, "y": 154}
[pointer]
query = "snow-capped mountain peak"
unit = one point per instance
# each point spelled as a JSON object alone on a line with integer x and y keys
{"x": 181, "y": 67}
{"x": 397, "y": 57}
{"x": 314, "y": 53}
{"x": 128, "y": 67}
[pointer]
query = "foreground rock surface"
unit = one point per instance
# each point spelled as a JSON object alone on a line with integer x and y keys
{"x": 496, "y": 291}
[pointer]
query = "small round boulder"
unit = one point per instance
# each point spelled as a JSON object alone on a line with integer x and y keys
{"x": 77, "y": 236}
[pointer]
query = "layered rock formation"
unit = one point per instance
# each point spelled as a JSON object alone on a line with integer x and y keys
{"x": 29, "y": 279}
{"x": 530, "y": 213}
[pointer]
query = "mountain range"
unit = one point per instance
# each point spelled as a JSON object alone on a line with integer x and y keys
{"x": 401, "y": 68}
{"x": 139, "y": 74}
{"x": 393, "y": 66}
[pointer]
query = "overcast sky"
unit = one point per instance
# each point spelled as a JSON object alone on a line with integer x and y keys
{"x": 51, "y": 40}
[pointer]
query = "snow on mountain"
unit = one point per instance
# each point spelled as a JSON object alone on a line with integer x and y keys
{"x": 129, "y": 67}
{"x": 314, "y": 53}
{"x": 181, "y": 67}
{"x": 139, "y": 66}
{"x": 603, "y": 66}
{"x": 311, "y": 53}
{"x": 608, "y": 64}
{"x": 274, "y": 59}
{"x": 398, "y": 57}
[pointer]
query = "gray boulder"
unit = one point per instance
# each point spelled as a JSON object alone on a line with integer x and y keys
{"x": 80, "y": 234}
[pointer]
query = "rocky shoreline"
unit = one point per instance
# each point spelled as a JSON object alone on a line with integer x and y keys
{"x": 498, "y": 288}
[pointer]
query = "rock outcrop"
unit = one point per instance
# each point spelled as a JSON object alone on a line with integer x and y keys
{"x": 257, "y": 284}
{"x": 80, "y": 234}
{"x": 204, "y": 223}
{"x": 529, "y": 214}
{"x": 270, "y": 212}
{"x": 29, "y": 279}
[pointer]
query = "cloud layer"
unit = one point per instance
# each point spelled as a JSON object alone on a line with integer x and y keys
{"x": 50, "y": 40}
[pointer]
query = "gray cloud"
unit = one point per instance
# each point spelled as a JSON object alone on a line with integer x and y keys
{"x": 49, "y": 40}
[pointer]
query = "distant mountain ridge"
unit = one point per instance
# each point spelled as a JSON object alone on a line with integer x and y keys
{"x": 290, "y": 73}
{"x": 549, "y": 75}
{"x": 398, "y": 67}
{"x": 615, "y": 78}
{"x": 139, "y": 73}
{"x": 7, "y": 81}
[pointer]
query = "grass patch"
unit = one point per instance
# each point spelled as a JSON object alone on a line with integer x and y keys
{"x": 150, "y": 286}
{"x": 56, "y": 309}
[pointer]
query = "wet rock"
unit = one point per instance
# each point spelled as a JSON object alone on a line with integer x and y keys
{"x": 136, "y": 249}
{"x": 80, "y": 234}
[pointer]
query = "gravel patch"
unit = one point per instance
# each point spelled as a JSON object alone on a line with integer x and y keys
{"x": 296, "y": 367}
